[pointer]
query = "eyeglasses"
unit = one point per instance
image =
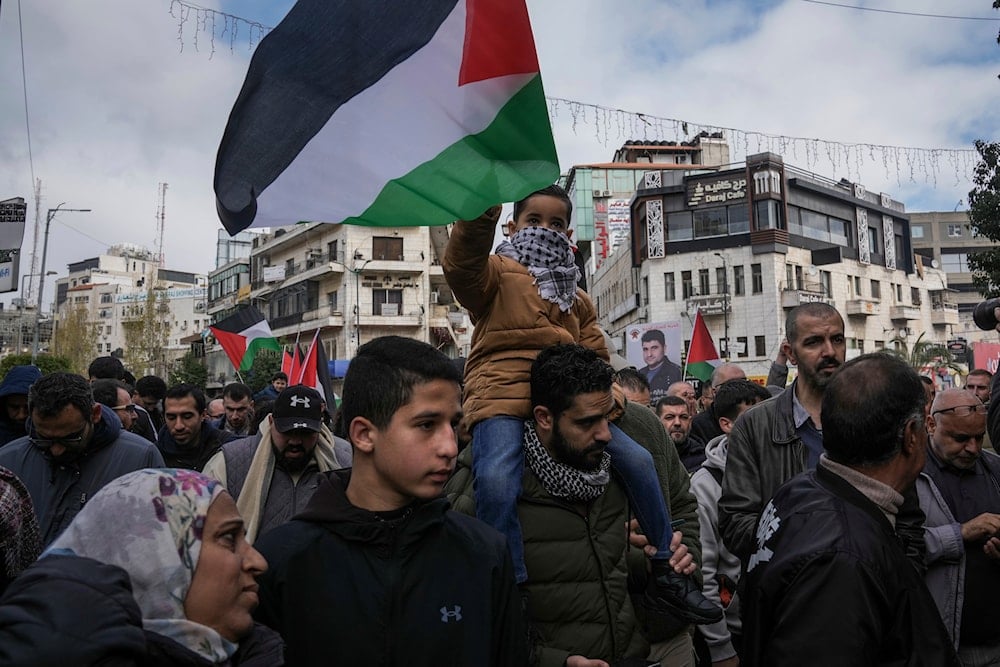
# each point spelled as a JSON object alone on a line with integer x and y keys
{"x": 70, "y": 440}
{"x": 127, "y": 408}
{"x": 963, "y": 410}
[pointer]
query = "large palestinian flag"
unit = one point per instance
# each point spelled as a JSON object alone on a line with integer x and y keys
{"x": 242, "y": 335}
{"x": 386, "y": 113}
{"x": 702, "y": 358}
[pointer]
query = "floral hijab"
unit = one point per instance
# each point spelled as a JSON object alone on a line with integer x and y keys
{"x": 150, "y": 524}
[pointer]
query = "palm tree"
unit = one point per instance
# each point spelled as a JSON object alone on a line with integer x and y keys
{"x": 925, "y": 355}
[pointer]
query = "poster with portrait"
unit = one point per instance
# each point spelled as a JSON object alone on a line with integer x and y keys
{"x": 655, "y": 350}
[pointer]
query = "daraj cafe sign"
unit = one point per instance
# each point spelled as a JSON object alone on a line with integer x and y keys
{"x": 12, "y": 217}
{"x": 716, "y": 192}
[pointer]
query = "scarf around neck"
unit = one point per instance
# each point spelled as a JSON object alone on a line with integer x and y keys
{"x": 548, "y": 255}
{"x": 149, "y": 523}
{"x": 559, "y": 479}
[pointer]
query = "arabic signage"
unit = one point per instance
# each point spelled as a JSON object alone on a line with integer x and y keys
{"x": 174, "y": 293}
{"x": 12, "y": 217}
{"x": 716, "y": 192}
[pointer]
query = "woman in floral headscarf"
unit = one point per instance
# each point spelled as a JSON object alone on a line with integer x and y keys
{"x": 19, "y": 540}
{"x": 154, "y": 570}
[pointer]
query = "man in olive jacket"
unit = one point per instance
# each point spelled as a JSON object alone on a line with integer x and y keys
{"x": 575, "y": 547}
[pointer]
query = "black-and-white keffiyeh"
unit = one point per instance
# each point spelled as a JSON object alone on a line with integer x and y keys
{"x": 559, "y": 479}
{"x": 549, "y": 258}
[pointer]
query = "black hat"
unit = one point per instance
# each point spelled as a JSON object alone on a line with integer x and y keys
{"x": 298, "y": 407}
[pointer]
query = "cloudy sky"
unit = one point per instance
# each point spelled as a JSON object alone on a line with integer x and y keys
{"x": 123, "y": 95}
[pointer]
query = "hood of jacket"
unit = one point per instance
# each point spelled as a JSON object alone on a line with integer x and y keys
{"x": 106, "y": 431}
{"x": 170, "y": 447}
{"x": 716, "y": 452}
{"x": 18, "y": 380}
{"x": 330, "y": 507}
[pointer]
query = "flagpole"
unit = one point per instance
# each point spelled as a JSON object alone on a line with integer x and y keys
{"x": 687, "y": 353}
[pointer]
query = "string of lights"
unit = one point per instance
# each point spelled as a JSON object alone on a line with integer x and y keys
{"x": 612, "y": 126}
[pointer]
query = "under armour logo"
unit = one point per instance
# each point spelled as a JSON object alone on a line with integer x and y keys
{"x": 455, "y": 613}
{"x": 300, "y": 425}
{"x": 295, "y": 401}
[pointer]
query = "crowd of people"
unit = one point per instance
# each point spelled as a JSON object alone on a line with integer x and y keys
{"x": 549, "y": 506}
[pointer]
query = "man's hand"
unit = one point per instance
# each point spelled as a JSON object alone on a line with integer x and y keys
{"x": 580, "y": 661}
{"x": 984, "y": 526}
{"x": 681, "y": 561}
{"x": 728, "y": 662}
{"x": 992, "y": 548}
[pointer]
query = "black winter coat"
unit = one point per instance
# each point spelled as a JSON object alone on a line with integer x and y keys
{"x": 68, "y": 610}
{"x": 831, "y": 584}
{"x": 433, "y": 587}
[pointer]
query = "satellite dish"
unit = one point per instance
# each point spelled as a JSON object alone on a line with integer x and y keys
{"x": 903, "y": 333}
{"x": 811, "y": 270}
{"x": 935, "y": 264}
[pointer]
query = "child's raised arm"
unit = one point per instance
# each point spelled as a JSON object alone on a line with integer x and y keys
{"x": 467, "y": 267}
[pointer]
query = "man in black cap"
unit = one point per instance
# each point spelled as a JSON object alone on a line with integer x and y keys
{"x": 273, "y": 473}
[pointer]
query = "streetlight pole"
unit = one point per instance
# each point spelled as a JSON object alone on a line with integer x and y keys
{"x": 41, "y": 277}
{"x": 357, "y": 298}
{"x": 725, "y": 299}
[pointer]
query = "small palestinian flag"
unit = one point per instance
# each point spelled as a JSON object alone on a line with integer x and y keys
{"x": 242, "y": 335}
{"x": 702, "y": 357}
{"x": 386, "y": 113}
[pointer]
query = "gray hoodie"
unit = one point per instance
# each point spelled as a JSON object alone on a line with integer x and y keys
{"x": 717, "y": 563}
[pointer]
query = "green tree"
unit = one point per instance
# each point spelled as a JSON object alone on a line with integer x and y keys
{"x": 265, "y": 365}
{"x": 146, "y": 329}
{"x": 984, "y": 216}
{"x": 47, "y": 363}
{"x": 189, "y": 369}
{"x": 924, "y": 354}
{"x": 75, "y": 338}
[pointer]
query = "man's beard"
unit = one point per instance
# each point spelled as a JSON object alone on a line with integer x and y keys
{"x": 292, "y": 465}
{"x": 818, "y": 380}
{"x": 563, "y": 453}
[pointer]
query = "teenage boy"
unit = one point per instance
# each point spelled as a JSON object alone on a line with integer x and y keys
{"x": 413, "y": 582}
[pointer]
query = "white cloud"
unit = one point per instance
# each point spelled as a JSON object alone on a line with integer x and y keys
{"x": 117, "y": 107}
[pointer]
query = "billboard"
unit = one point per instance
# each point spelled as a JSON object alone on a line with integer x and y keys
{"x": 655, "y": 350}
{"x": 12, "y": 216}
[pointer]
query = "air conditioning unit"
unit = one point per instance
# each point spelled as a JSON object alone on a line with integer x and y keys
{"x": 435, "y": 297}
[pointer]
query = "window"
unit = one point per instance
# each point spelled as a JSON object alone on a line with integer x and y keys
{"x": 332, "y": 300}
{"x": 669, "y": 287}
{"x": 679, "y": 226}
{"x": 107, "y": 330}
{"x": 874, "y": 240}
{"x": 739, "y": 219}
{"x": 645, "y": 290}
{"x": 760, "y": 345}
{"x": 332, "y": 251}
{"x": 387, "y": 302}
{"x": 105, "y": 298}
{"x": 954, "y": 231}
{"x": 917, "y": 232}
{"x": 756, "y": 279}
{"x": 739, "y": 281}
{"x": 880, "y": 345}
{"x": 814, "y": 226}
{"x": 915, "y": 296}
{"x": 741, "y": 347}
{"x": 710, "y": 222}
{"x": 799, "y": 281}
{"x": 768, "y": 214}
{"x": 876, "y": 289}
{"x": 703, "y": 286}
{"x": 955, "y": 262}
{"x": 857, "y": 287}
{"x": 840, "y": 232}
{"x": 826, "y": 283}
{"x": 789, "y": 276}
{"x": 289, "y": 267}
{"x": 687, "y": 286}
{"x": 899, "y": 292}
{"x": 720, "y": 280}
{"x": 388, "y": 248}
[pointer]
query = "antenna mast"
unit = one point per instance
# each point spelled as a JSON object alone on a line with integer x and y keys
{"x": 161, "y": 213}
{"x": 32, "y": 294}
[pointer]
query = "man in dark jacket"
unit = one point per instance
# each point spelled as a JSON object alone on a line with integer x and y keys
{"x": 14, "y": 401}
{"x": 675, "y": 416}
{"x": 573, "y": 515}
{"x": 237, "y": 404}
{"x": 829, "y": 583}
{"x": 188, "y": 440}
{"x": 73, "y": 448}
{"x": 401, "y": 578}
{"x": 270, "y": 392}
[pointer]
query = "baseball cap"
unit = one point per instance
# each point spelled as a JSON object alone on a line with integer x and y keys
{"x": 298, "y": 407}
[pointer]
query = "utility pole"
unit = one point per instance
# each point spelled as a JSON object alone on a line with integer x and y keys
{"x": 41, "y": 276}
{"x": 161, "y": 218}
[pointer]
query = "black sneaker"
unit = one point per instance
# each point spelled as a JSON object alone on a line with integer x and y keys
{"x": 679, "y": 595}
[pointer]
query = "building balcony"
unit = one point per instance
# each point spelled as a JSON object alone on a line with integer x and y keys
{"x": 904, "y": 313}
{"x": 863, "y": 307}
{"x": 944, "y": 313}
{"x": 791, "y": 298}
